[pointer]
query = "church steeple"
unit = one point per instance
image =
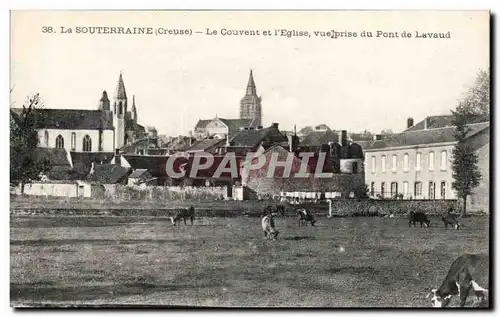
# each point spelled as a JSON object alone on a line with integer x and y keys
{"x": 134, "y": 110}
{"x": 120, "y": 89}
{"x": 104, "y": 102}
{"x": 250, "y": 104}
{"x": 251, "y": 88}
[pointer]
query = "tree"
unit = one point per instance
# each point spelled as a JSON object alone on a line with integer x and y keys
{"x": 24, "y": 164}
{"x": 474, "y": 107}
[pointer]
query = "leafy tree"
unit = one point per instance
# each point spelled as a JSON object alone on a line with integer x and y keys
{"x": 473, "y": 108}
{"x": 24, "y": 164}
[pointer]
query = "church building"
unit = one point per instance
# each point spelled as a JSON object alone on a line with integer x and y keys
{"x": 105, "y": 129}
{"x": 250, "y": 117}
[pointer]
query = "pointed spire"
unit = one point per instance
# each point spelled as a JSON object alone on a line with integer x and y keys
{"x": 133, "y": 102}
{"x": 104, "y": 96}
{"x": 120, "y": 89}
{"x": 251, "y": 89}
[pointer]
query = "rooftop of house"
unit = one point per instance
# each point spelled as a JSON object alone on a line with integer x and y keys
{"x": 70, "y": 119}
{"x": 202, "y": 145}
{"x": 424, "y": 136}
{"x": 109, "y": 173}
{"x": 433, "y": 122}
{"x": 138, "y": 173}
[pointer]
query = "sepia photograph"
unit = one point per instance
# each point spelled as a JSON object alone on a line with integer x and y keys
{"x": 244, "y": 159}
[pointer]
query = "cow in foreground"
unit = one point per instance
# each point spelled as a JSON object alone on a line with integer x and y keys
{"x": 450, "y": 219}
{"x": 305, "y": 216}
{"x": 270, "y": 231}
{"x": 414, "y": 217}
{"x": 466, "y": 274}
{"x": 183, "y": 214}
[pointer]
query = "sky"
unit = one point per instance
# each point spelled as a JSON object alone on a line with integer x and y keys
{"x": 355, "y": 84}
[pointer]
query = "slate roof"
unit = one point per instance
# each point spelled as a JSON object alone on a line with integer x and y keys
{"x": 235, "y": 125}
{"x": 251, "y": 138}
{"x": 139, "y": 173}
{"x": 55, "y": 156}
{"x": 433, "y": 122}
{"x": 71, "y": 119}
{"x": 109, "y": 173}
{"x": 82, "y": 161}
{"x": 205, "y": 144}
{"x": 422, "y": 137}
{"x": 202, "y": 124}
{"x": 319, "y": 138}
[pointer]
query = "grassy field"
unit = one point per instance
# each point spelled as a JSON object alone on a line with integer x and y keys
{"x": 343, "y": 262}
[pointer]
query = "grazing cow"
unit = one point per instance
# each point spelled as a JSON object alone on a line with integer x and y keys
{"x": 183, "y": 214}
{"x": 450, "y": 219}
{"x": 280, "y": 210}
{"x": 305, "y": 216}
{"x": 464, "y": 275}
{"x": 268, "y": 226}
{"x": 414, "y": 217}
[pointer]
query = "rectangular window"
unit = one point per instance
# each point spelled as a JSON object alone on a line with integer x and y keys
{"x": 443, "y": 190}
{"x": 432, "y": 190}
{"x": 394, "y": 189}
{"x": 431, "y": 161}
{"x": 406, "y": 162}
{"x": 383, "y": 163}
{"x": 417, "y": 162}
{"x": 406, "y": 188}
{"x": 373, "y": 164}
{"x": 394, "y": 162}
{"x": 418, "y": 189}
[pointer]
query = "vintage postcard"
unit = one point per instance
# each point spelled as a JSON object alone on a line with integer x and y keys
{"x": 250, "y": 159}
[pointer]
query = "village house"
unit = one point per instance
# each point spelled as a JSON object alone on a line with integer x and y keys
{"x": 416, "y": 164}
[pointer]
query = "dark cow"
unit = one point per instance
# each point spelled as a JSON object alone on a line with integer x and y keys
{"x": 465, "y": 274}
{"x": 280, "y": 210}
{"x": 414, "y": 217}
{"x": 183, "y": 214}
{"x": 450, "y": 219}
{"x": 305, "y": 216}
{"x": 267, "y": 223}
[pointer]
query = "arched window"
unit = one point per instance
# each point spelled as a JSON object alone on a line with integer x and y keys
{"x": 372, "y": 189}
{"x": 394, "y": 162}
{"x": 382, "y": 189}
{"x": 46, "y": 139}
{"x": 87, "y": 144}
{"x": 417, "y": 161}
{"x": 406, "y": 162}
{"x": 383, "y": 163}
{"x": 444, "y": 157}
{"x": 373, "y": 163}
{"x": 431, "y": 161}
{"x": 405, "y": 188}
{"x": 60, "y": 142}
{"x": 73, "y": 141}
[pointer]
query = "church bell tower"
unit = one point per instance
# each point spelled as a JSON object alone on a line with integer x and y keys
{"x": 119, "y": 113}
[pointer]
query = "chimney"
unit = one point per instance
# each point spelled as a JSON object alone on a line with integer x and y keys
{"x": 409, "y": 122}
{"x": 118, "y": 159}
{"x": 426, "y": 122}
{"x": 275, "y": 125}
{"x": 259, "y": 127}
{"x": 343, "y": 135}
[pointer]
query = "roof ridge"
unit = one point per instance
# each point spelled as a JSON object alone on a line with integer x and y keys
{"x": 447, "y": 127}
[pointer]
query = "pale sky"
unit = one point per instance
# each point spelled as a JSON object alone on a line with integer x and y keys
{"x": 346, "y": 83}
